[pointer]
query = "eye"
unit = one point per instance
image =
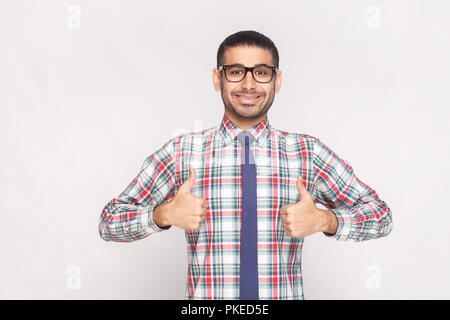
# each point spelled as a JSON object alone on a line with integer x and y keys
{"x": 262, "y": 71}
{"x": 235, "y": 70}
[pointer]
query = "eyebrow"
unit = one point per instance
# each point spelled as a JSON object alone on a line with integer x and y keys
{"x": 256, "y": 65}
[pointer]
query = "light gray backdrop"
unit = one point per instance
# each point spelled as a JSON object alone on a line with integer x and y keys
{"x": 89, "y": 89}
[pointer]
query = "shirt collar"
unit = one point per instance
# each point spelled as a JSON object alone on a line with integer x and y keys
{"x": 229, "y": 130}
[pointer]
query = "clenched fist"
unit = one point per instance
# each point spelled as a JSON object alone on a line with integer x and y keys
{"x": 303, "y": 218}
{"x": 185, "y": 210}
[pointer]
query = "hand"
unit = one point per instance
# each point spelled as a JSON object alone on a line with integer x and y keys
{"x": 303, "y": 218}
{"x": 185, "y": 210}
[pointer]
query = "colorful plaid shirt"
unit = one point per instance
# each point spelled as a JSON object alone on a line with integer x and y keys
{"x": 213, "y": 249}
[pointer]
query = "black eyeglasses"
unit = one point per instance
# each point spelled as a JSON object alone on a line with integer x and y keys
{"x": 237, "y": 72}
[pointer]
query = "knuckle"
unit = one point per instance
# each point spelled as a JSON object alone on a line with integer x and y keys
{"x": 194, "y": 226}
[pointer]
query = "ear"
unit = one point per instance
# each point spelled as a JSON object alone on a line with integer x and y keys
{"x": 278, "y": 81}
{"x": 216, "y": 79}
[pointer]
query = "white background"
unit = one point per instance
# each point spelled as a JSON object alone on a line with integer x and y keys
{"x": 89, "y": 89}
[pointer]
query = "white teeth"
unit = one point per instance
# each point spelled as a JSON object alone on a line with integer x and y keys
{"x": 249, "y": 98}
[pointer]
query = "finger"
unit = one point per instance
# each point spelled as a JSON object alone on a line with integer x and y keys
{"x": 187, "y": 185}
{"x": 301, "y": 188}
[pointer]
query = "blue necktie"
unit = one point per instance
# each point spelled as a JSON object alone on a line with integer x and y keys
{"x": 248, "y": 286}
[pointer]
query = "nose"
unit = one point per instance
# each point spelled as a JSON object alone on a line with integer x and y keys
{"x": 248, "y": 82}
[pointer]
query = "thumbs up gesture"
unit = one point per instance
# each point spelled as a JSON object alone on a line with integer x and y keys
{"x": 186, "y": 210}
{"x": 303, "y": 218}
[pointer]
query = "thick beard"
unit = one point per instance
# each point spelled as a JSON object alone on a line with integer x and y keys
{"x": 235, "y": 111}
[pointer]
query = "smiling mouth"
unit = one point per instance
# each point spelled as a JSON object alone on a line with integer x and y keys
{"x": 248, "y": 98}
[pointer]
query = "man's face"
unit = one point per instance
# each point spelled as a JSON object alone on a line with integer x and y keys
{"x": 247, "y": 99}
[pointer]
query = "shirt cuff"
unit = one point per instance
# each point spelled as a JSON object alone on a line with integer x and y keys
{"x": 344, "y": 224}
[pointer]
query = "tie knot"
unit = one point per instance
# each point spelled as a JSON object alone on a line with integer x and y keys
{"x": 246, "y": 138}
{"x": 243, "y": 135}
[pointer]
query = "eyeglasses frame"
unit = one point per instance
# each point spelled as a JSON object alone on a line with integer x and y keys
{"x": 247, "y": 69}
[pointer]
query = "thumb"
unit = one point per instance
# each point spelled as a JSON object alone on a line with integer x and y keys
{"x": 302, "y": 189}
{"x": 187, "y": 185}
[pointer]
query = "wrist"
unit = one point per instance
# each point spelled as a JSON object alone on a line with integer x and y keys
{"x": 161, "y": 215}
{"x": 329, "y": 221}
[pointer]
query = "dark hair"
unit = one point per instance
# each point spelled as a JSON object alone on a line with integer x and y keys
{"x": 249, "y": 38}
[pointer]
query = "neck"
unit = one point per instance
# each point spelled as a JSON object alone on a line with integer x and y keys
{"x": 245, "y": 124}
